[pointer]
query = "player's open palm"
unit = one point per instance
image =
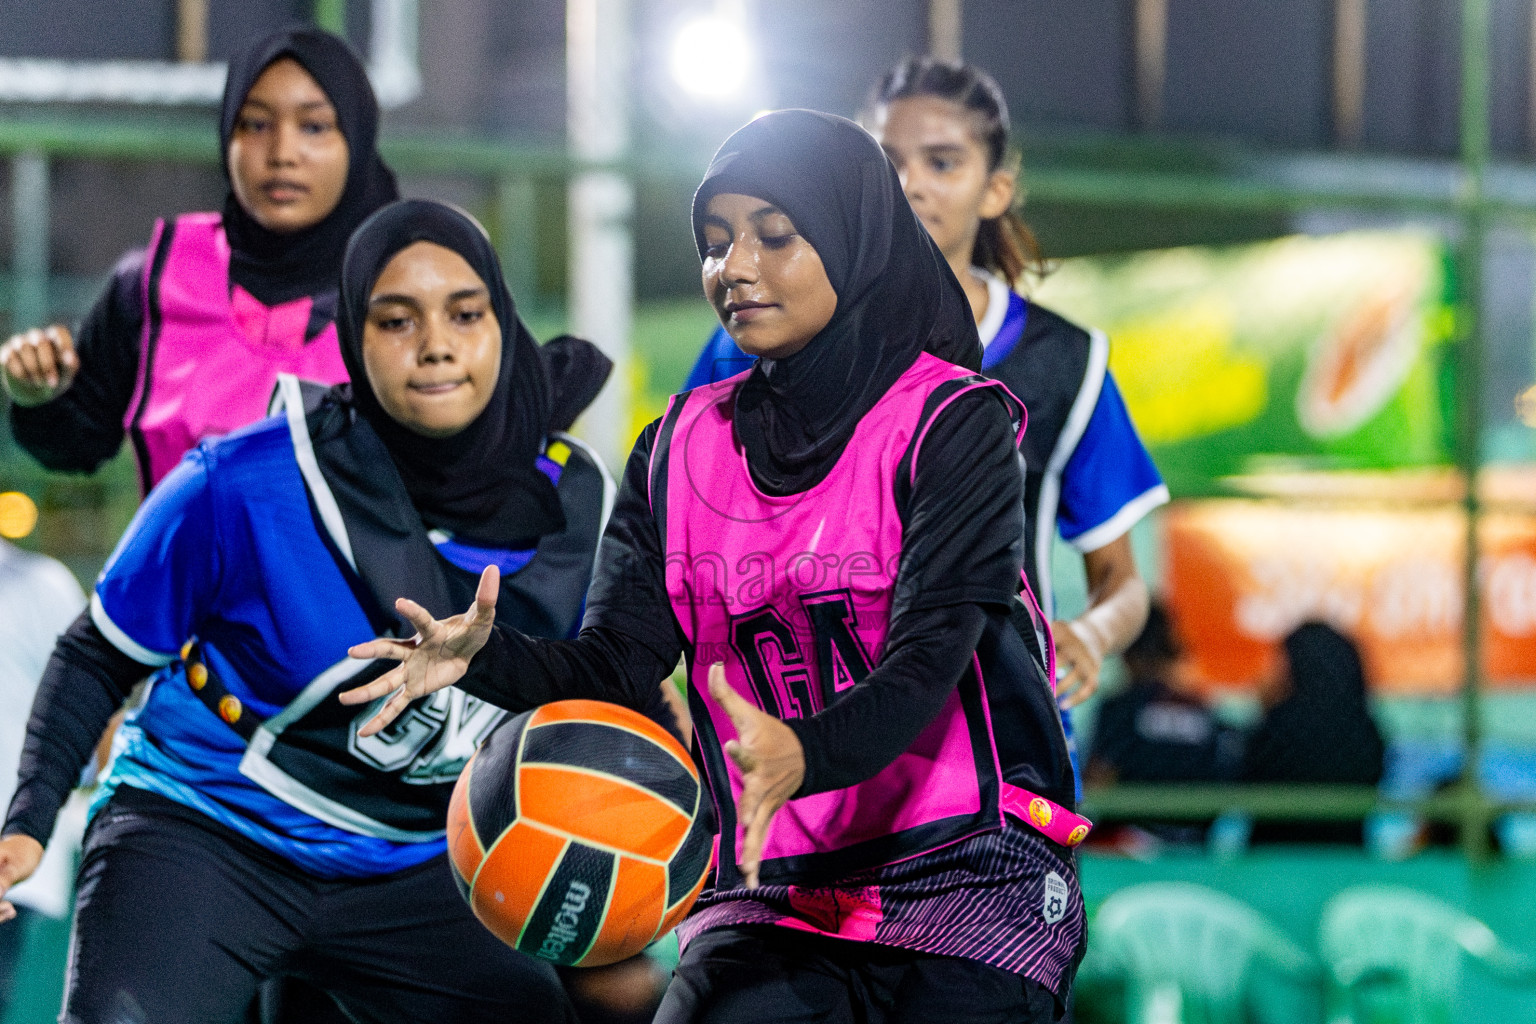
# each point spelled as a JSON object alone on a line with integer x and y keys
{"x": 19, "y": 856}
{"x": 436, "y": 657}
{"x": 772, "y": 765}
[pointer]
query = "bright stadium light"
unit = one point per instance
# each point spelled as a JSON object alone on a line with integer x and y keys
{"x": 712, "y": 58}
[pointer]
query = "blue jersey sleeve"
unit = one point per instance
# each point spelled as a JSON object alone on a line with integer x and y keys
{"x": 160, "y": 582}
{"x": 1110, "y": 482}
{"x": 719, "y": 360}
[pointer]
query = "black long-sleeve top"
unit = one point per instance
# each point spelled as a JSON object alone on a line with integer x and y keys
{"x": 86, "y": 681}
{"x": 962, "y": 521}
{"x": 83, "y": 427}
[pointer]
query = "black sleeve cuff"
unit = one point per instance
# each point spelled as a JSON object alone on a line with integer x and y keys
{"x": 810, "y": 745}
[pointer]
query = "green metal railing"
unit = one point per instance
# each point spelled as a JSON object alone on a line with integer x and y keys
{"x": 1454, "y": 805}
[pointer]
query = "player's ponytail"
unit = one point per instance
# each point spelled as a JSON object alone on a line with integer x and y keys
{"x": 1004, "y": 245}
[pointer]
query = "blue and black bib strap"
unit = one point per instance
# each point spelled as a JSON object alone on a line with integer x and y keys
{"x": 209, "y": 689}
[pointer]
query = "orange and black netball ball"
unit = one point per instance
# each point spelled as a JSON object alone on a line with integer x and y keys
{"x": 578, "y": 833}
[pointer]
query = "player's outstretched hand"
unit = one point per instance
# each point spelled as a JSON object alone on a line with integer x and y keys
{"x": 772, "y": 765}
{"x": 437, "y": 656}
{"x": 39, "y": 365}
{"x": 1080, "y": 663}
{"x": 19, "y": 855}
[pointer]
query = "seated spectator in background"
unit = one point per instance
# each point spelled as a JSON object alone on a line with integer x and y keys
{"x": 1317, "y": 728}
{"x": 1154, "y": 730}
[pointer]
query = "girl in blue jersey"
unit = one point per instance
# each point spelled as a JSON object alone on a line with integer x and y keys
{"x": 245, "y": 830}
{"x": 945, "y": 127}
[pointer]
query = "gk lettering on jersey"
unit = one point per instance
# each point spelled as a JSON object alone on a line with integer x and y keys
{"x": 432, "y": 741}
{"x": 774, "y": 650}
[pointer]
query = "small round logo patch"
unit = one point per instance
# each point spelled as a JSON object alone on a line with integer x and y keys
{"x": 1053, "y": 907}
{"x": 1040, "y": 812}
{"x": 1077, "y": 835}
{"x": 229, "y": 708}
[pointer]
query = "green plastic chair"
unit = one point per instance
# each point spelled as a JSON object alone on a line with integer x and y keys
{"x": 1394, "y": 956}
{"x": 1191, "y": 955}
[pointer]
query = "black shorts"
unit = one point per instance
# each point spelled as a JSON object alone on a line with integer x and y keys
{"x": 764, "y": 974}
{"x": 178, "y": 920}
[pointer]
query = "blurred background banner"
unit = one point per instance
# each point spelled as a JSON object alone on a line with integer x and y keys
{"x": 1240, "y": 575}
{"x": 1315, "y": 352}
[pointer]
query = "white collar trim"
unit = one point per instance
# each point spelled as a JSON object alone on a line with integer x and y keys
{"x": 997, "y": 305}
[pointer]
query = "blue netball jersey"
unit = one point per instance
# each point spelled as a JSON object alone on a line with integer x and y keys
{"x": 1108, "y": 483}
{"x": 226, "y": 549}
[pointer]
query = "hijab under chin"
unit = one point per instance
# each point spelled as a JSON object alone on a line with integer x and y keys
{"x": 896, "y": 296}
{"x": 482, "y": 483}
{"x": 278, "y": 267}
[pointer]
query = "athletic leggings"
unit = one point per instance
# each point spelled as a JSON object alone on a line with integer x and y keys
{"x": 763, "y": 974}
{"x": 178, "y": 920}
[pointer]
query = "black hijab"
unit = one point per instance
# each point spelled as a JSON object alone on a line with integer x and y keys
{"x": 277, "y": 267}
{"x": 482, "y": 483}
{"x": 896, "y": 296}
{"x": 1323, "y": 730}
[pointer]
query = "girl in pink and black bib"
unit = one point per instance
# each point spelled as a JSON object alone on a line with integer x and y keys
{"x": 831, "y": 541}
{"x": 191, "y": 334}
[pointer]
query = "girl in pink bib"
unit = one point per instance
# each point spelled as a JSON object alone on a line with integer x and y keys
{"x": 191, "y": 334}
{"x": 831, "y": 542}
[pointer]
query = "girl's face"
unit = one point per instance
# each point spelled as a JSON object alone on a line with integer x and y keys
{"x": 287, "y": 156}
{"x": 431, "y": 342}
{"x": 943, "y": 168}
{"x": 767, "y": 284}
